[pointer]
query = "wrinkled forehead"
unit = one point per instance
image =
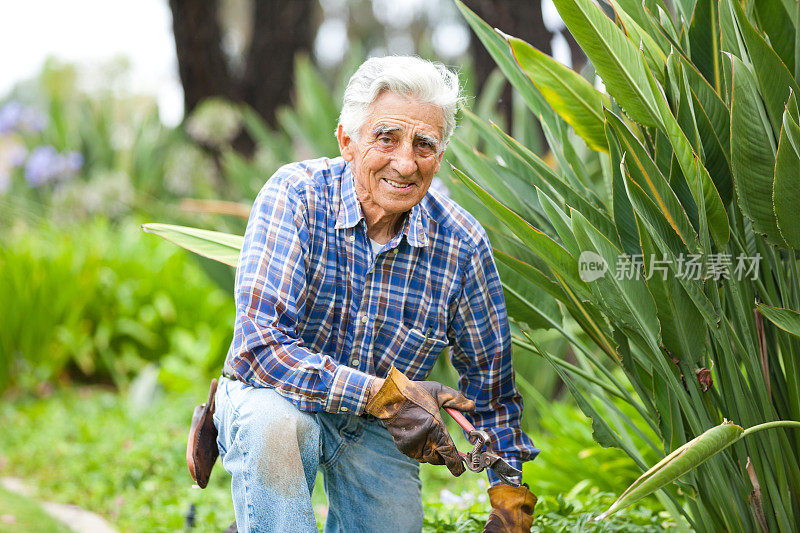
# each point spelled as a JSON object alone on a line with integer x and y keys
{"x": 402, "y": 114}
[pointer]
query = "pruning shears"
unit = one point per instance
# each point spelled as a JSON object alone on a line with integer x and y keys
{"x": 481, "y": 456}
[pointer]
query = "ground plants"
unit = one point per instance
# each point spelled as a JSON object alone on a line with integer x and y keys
{"x": 98, "y": 303}
{"x": 690, "y": 153}
{"x": 131, "y": 469}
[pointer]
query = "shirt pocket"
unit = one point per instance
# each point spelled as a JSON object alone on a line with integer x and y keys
{"x": 413, "y": 350}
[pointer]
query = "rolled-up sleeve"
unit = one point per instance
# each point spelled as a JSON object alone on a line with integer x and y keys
{"x": 481, "y": 352}
{"x": 270, "y": 295}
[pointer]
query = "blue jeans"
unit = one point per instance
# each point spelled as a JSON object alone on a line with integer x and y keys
{"x": 273, "y": 451}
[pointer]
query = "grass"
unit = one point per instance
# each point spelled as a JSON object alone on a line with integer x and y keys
{"x": 18, "y": 513}
{"x": 125, "y": 461}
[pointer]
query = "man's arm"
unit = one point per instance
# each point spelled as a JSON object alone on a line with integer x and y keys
{"x": 270, "y": 294}
{"x": 481, "y": 352}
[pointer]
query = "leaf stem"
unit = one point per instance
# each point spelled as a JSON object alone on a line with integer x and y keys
{"x": 769, "y": 425}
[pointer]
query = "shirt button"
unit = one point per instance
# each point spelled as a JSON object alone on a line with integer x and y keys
{"x": 344, "y": 409}
{"x": 394, "y": 251}
{"x": 364, "y": 319}
{"x": 351, "y": 238}
{"x": 354, "y": 362}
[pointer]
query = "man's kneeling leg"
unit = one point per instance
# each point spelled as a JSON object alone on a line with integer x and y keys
{"x": 370, "y": 484}
{"x": 272, "y": 450}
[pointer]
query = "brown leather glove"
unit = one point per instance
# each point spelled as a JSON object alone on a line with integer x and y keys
{"x": 512, "y": 509}
{"x": 410, "y": 410}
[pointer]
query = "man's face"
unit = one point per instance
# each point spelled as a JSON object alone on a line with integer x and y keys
{"x": 397, "y": 154}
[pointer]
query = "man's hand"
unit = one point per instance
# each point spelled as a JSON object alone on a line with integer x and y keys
{"x": 410, "y": 410}
{"x": 512, "y": 509}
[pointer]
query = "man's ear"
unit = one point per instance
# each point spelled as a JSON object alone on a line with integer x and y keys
{"x": 439, "y": 157}
{"x": 346, "y": 144}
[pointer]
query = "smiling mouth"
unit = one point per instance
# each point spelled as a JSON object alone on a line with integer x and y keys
{"x": 397, "y": 184}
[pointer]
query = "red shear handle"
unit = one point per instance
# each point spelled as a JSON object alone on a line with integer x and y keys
{"x": 461, "y": 419}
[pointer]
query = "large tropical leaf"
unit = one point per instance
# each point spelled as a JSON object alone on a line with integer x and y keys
{"x": 623, "y": 211}
{"x": 498, "y": 48}
{"x": 569, "y": 94}
{"x": 704, "y": 41}
{"x": 222, "y": 247}
{"x": 646, "y": 173}
{"x": 557, "y": 258}
{"x": 776, "y": 22}
{"x": 786, "y": 197}
{"x": 753, "y": 154}
{"x": 677, "y": 463}
{"x": 624, "y": 297}
{"x": 774, "y": 79}
{"x": 713, "y": 124}
{"x": 786, "y": 319}
{"x": 655, "y": 52}
{"x": 549, "y": 182}
{"x": 618, "y": 61}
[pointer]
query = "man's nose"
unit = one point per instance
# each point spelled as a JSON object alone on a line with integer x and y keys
{"x": 404, "y": 161}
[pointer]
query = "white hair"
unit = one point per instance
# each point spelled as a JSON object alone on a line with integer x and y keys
{"x": 425, "y": 81}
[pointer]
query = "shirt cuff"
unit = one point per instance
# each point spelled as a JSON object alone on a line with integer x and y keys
{"x": 494, "y": 479}
{"x": 349, "y": 391}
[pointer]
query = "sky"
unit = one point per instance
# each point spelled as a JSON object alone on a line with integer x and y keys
{"x": 91, "y": 32}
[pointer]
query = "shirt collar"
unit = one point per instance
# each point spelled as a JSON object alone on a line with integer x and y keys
{"x": 349, "y": 207}
{"x": 415, "y": 227}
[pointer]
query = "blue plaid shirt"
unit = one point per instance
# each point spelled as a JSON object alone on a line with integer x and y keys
{"x": 319, "y": 313}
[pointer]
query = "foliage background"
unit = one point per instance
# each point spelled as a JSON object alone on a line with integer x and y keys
{"x": 108, "y": 337}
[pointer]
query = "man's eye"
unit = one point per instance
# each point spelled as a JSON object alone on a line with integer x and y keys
{"x": 384, "y": 140}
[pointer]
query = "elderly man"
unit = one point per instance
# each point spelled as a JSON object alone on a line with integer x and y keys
{"x": 353, "y": 277}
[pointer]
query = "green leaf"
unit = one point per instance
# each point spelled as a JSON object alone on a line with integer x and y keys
{"x": 222, "y": 247}
{"x": 713, "y": 124}
{"x": 623, "y": 211}
{"x": 557, "y": 258}
{"x": 501, "y": 53}
{"x": 526, "y": 301}
{"x": 532, "y": 274}
{"x": 752, "y": 154}
{"x": 678, "y": 463}
{"x": 602, "y": 433}
{"x": 776, "y": 22}
{"x": 569, "y": 94}
{"x": 683, "y": 329}
{"x": 648, "y": 210}
{"x": 560, "y": 221}
{"x": 645, "y": 172}
{"x": 618, "y": 61}
{"x": 698, "y": 179}
{"x": 545, "y": 179}
{"x": 654, "y": 45}
{"x": 584, "y": 313}
{"x": 670, "y": 421}
{"x": 787, "y": 182}
{"x": 774, "y": 78}
{"x": 625, "y": 299}
{"x": 704, "y": 41}
{"x": 488, "y": 171}
{"x": 786, "y": 319}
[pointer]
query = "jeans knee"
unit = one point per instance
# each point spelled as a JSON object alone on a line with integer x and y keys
{"x": 281, "y": 443}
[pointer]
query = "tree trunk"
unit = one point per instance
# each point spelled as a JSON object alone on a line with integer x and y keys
{"x": 519, "y": 18}
{"x": 201, "y": 62}
{"x": 280, "y": 30}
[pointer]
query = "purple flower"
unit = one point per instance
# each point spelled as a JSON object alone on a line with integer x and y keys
{"x": 45, "y": 164}
{"x": 10, "y": 115}
{"x": 15, "y": 116}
